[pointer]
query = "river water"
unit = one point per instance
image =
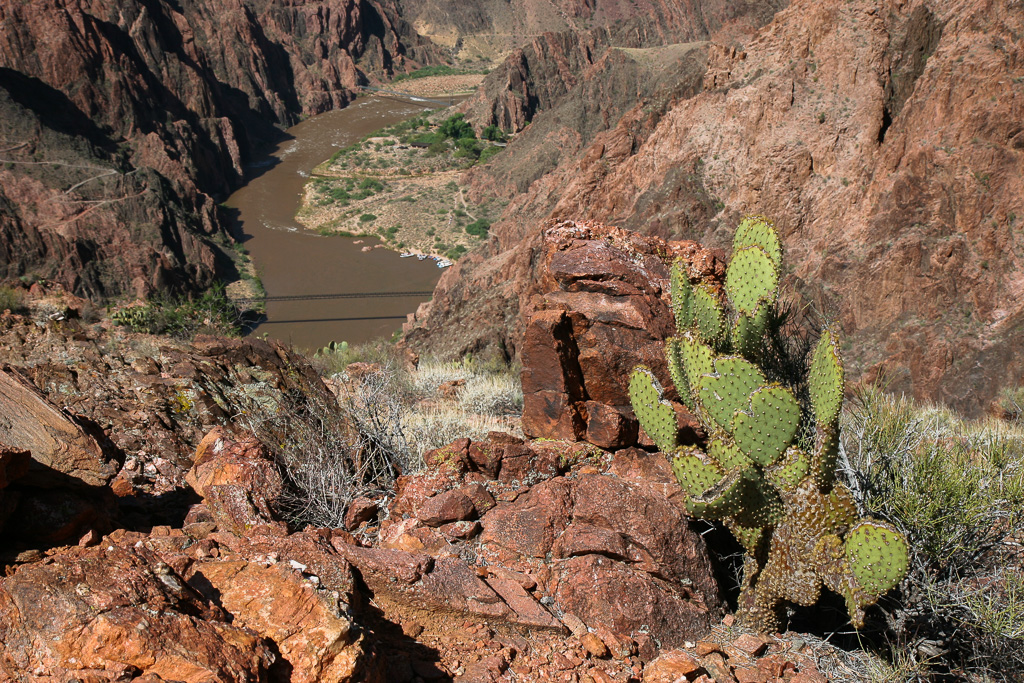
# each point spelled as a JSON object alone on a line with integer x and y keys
{"x": 294, "y": 261}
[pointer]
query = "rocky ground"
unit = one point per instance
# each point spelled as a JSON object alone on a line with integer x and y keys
{"x": 144, "y": 538}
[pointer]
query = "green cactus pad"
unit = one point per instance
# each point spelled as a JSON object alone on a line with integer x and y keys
{"x": 749, "y": 537}
{"x": 826, "y": 382}
{"x": 695, "y": 472}
{"x": 840, "y": 508}
{"x": 878, "y": 556}
{"x": 697, "y": 358}
{"x": 789, "y": 470}
{"x": 728, "y": 390}
{"x": 759, "y": 231}
{"x": 726, "y": 453}
{"x": 765, "y": 430}
{"x": 762, "y": 506}
{"x": 677, "y": 371}
{"x": 826, "y": 455}
{"x": 749, "y": 330}
{"x": 709, "y": 317}
{"x": 752, "y": 278}
{"x": 682, "y": 295}
{"x": 727, "y": 497}
{"x": 654, "y": 413}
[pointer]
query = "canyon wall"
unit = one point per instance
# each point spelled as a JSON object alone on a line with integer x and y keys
{"x": 885, "y": 140}
{"x": 120, "y": 120}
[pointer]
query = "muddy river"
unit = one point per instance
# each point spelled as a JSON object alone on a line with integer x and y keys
{"x": 292, "y": 261}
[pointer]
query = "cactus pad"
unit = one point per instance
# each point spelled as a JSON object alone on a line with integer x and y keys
{"x": 724, "y": 499}
{"x": 759, "y": 231}
{"x": 677, "y": 370}
{"x": 694, "y": 471}
{"x": 826, "y": 381}
{"x": 751, "y": 279}
{"x": 749, "y": 330}
{"x": 727, "y": 454}
{"x": 654, "y": 413}
{"x": 799, "y": 527}
{"x": 682, "y": 295}
{"x": 878, "y": 556}
{"x": 765, "y": 430}
{"x": 708, "y": 315}
{"x": 697, "y": 358}
{"x": 789, "y": 470}
{"x": 728, "y": 390}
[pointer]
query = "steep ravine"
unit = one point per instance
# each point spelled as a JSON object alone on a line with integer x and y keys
{"x": 121, "y": 121}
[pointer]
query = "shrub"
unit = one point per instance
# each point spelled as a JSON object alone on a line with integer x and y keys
{"x": 956, "y": 489}
{"x": 457, "y": 128}
{"x": 436, "y": 148}
{"x": 12, "y": 299}
{"x": 488, "y": 153}
{"x": 184, "y": 318}
{"x": 492, "y": 394}
{"x": 332, "y": 451}
{"x": 493, "y": 133}
{"x": 479, "y": 227}
{"x": 367, "y": 217}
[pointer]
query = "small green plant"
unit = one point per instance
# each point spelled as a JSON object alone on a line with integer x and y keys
{"x": 367, "y": 217}
{"x": 12, "y": 299}
{"x": 776, "y": 492}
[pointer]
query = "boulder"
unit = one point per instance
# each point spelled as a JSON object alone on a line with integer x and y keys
{"x": 63, "y": 452}
{"x": 601, "y": 310}
{"x": 237, "y": 481}
{"x": 107, "y": 612}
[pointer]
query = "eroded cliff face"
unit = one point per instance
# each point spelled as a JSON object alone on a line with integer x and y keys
{"x": 121, "y": 119}
{"x": 886, "y": 141}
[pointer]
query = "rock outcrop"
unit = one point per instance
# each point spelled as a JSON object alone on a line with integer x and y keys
{"x": 122, "y": 119}
{"x": 884, "y": 142}
{"x": 597, "y": 313}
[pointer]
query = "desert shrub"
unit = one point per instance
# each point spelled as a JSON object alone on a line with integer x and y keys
{"x": 487, "y": 154}
{"x": 12, "y": 299}
{"x": 479, "y": 227}
{"x": 183, "y": 318}
{"x": 457, "y": 128}
{"x": 493, "y": 394}
{"x": 367, "y": 217}
{"x": 436, "y": 148}
{"x": 493, "y": 133}
{"x": 333, "y": 451}
{"x": 956, "y": 489}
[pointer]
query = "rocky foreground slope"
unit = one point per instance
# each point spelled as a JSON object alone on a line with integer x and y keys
{"x": 886, "y": 143}
{"x": 120, "y": 120}
{"x": 142, "y": 536}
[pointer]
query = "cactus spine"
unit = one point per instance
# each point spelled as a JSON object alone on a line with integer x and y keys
{"x": 799, "y": 527}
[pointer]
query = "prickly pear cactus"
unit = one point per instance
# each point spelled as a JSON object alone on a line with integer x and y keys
{"x": 775, "y": 492}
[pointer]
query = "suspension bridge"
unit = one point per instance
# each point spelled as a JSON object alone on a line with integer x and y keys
{"x": 340, "y": 295}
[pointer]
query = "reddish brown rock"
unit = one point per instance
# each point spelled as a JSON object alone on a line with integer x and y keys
{"x": 316, "y": 641}
{"x": 672, "y": 667}
{"x": 237, "y": 481}
{"x": 530, "y": 525}
{"x": 450, "y": 506}
{"x": 60, "y": 447}
{"x": 110, "y": 612}
{"x": 360, "y": 511}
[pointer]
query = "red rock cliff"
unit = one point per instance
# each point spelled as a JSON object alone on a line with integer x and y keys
{"x": 885, "y": 140}
{"x": 120, "y": 118}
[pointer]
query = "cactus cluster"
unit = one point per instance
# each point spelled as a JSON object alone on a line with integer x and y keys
{"x": 775, "y": 491}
